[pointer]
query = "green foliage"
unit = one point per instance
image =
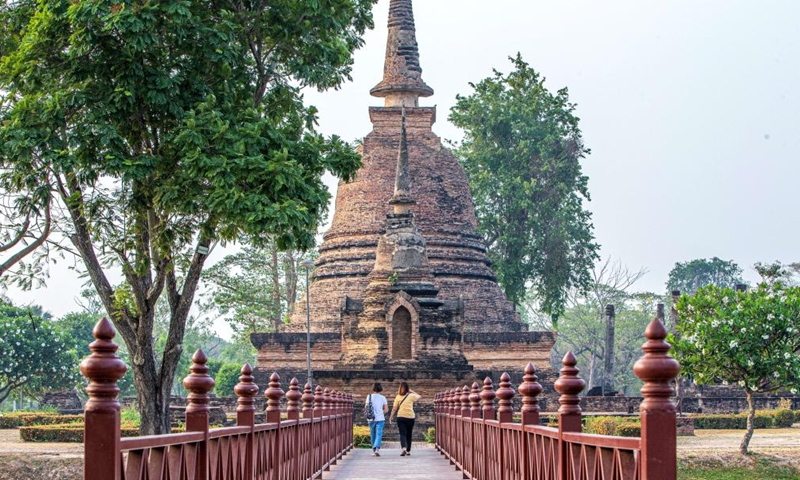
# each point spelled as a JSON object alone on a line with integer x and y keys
{"x": 430, "y": 435}
{"x": 613, "y": 426}
{"x": 747, "y": 338}
{"x": 629, "y": 429}
{"x": 226, "y": 378}
{"x": 784, "y": 418}
{"x": 34, "y": 356}
{"x": 690, "y": 276}
{"x": 68, "y": 432}
{"x": 156, "y": 130}
{"x": 521, "y": 151}
{"x": 130, "y": 415}
{"x": 361, "y": 438}
{"x": 733, "y": 421}
{"x": 762, "y": 468}
{"x": 253, "y": 289}
{"x": 582, "y": 328}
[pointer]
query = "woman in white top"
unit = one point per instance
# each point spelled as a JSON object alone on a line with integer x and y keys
{"x": 379, "y": 409}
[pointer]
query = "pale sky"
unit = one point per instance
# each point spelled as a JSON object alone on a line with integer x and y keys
{"x": 690, "y": 109}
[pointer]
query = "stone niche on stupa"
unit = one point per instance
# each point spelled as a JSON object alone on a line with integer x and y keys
{"x": 402, "y": 287}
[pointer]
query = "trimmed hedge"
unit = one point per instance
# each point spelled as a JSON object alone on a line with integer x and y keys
{"x": 764, "y": 419}
{"x": 67, "y": 432}
{"x": 35, "y": 419}
{"x": 15, "y": 419}
{"x": 784, "y": 418}
{"x": 613, "y": 426}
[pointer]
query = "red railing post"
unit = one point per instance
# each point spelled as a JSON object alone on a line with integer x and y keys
{"x": 293, "y": 397}
{"x": 659, "y": 438}
{"x": 308, "y": 413}
{"x": 505, "y": 414}
{"x": 475, "y": 401}
{"x": 530, "y": 389}
{"x": 247, "y": 390}
{"x": 505, "y": 393}
{"x": 487, "y": 399}
{"x": 198, "y": 383}
{"x": 569, "y": 385}
{"x": 273, "y": 413}
{"x": 101, "y": 415}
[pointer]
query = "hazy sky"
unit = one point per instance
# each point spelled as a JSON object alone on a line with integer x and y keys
{"x": 690, "y": 109}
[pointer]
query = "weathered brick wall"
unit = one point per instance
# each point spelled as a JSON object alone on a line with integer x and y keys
{"x": 444, "y": 215}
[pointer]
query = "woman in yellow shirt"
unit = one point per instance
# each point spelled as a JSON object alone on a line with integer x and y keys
{"x": 404, "y": 410}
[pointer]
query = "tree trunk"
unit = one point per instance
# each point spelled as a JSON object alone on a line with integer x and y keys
{"x": 150, "y": 394}
{"x": 291, "y": 281}
{"x": 751, "y": 417}
{"x": 276, "y": 290}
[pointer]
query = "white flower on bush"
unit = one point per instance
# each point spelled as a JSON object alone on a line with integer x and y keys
{"x": 776, "y": 374}
{"x": 794, "y": 391}
{"x": 750, "y": 363}
{"x": 734, "y": 344}
{"x": 741, "y": 383}
{"x": 787, "y": 355}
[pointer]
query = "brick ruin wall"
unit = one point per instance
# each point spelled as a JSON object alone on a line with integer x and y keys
{"x": 444, "y": 215}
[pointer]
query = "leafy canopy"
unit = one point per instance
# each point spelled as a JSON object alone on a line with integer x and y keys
{"x": 521, "y": 150}
{"x": 747, "y": 338}
{"x": 154, "y": 130}
{"x": 688, "y": 277}
{"x": 34, "y": 356}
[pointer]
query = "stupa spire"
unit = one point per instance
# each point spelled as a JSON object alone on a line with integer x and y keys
{"x": 402, "y": 199}
{"x": 402, "y": 83}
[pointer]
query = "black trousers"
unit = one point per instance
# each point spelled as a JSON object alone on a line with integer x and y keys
{"x": 406, "y": 427}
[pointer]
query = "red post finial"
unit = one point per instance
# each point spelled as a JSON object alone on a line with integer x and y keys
{"x": 274, "y": 394}
{"x": 530, "y": 390}
{"x": 319, "y": 402}
{"x": 308, "y": 401}
{"x": 455, "y": 403}
{"x": 293, "y": 397}
{"x": 463, "y": 401}
{"x": 475, "y": 401}
{"x": 326, "y": 402}
{"x": 505, "y": 393}
{"x": 104, "y": 369}
{"x": 569, "y": 385}
{"x": 487, "y": 399}
{"x": 246, "y": 390}
{"x": 659, "y": 437}
{"x": 199, "y": 384}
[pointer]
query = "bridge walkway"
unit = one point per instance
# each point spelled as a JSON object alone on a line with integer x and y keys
{"x": 425, "y": 463}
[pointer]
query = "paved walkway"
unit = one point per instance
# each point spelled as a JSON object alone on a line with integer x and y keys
{"x": 424, "y": 463}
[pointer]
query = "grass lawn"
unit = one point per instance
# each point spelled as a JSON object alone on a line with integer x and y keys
{"x": 762, "y": 470}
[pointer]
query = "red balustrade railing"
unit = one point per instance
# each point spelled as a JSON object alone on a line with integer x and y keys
{"x": 293, "y": 448}
{"x": 485, "y": 444}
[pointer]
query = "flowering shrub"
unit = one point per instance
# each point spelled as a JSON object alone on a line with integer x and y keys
{"x": 749, "y": 338}
{"x": 33, "y": 355}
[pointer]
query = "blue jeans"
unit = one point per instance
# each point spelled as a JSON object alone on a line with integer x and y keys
{"x": 376, "y": 433}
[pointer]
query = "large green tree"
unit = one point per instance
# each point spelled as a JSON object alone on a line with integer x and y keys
{"x": 522, "y": 150}
{"x": 34, "y": 356}
{"x": 750, "y": 338}
{"x": 154, "y": 130}
{"x": 688, "y": 277}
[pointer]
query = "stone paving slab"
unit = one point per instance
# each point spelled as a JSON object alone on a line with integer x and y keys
{"x": 424, "y": 463}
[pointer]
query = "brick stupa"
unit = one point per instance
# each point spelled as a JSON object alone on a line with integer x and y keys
{"x": 403, "y": 288}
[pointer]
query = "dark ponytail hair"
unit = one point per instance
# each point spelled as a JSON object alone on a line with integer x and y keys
{"x": 403, "y": 390}
{"x": 377, "y": 388}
